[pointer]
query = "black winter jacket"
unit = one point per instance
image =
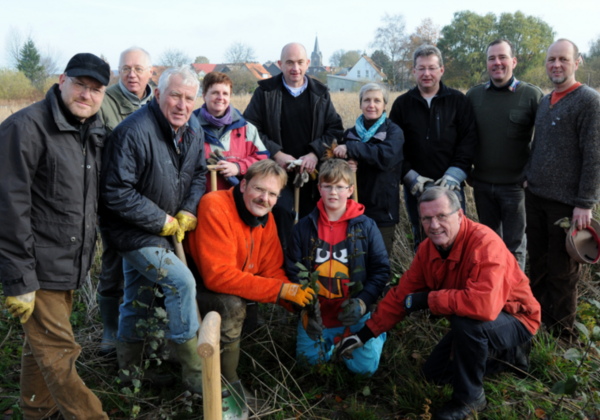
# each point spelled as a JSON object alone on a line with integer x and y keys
{"x": 144, "y": 178}
{"x": 438, "y": 137}
{"x": 264, "y": 111}
{"x": 378, "y": 176}
{"x": 48, "y": 198}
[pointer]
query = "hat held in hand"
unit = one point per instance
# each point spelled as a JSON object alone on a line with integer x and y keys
{"x": 583, "y": 245}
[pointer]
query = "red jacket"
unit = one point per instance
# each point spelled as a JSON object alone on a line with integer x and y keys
{"x": 479, "y": 279}
{"x": 233, "y": 257}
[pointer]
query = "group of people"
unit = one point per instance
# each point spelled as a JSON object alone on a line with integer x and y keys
{"x": 135, "y": 160}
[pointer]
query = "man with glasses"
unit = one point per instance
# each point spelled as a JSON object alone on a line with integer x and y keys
{"x": 464, "y": 272}
{"x": 439, "y": 134}
{"x": 122, "y": 100}
{"x": 239, "y": 258}
{"x": 50, "y": 155}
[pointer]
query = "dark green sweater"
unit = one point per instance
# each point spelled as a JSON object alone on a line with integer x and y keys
{"x": 505, "y": 121}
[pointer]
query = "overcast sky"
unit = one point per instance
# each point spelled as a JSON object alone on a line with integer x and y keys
{"x": 208, "y": 28}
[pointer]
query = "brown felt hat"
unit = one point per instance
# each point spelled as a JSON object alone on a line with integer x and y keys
{"x": 583, "y": 245}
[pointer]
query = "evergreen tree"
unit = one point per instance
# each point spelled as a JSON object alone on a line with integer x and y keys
{"x": 30, "y": 63}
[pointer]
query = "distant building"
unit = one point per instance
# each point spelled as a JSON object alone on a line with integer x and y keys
{"x": 272, "y": 67}
{"x": 316, "y": 61}
{"x": 255, "y": 69}
{"x": 363, "y": 72}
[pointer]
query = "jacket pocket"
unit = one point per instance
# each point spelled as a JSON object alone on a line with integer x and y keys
{"x": 52, "y": 176}
{"x": 519, "y": 125}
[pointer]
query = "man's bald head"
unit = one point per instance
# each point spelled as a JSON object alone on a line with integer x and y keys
{"x": 294, "y": 64}
{"x": 293, "y": 47}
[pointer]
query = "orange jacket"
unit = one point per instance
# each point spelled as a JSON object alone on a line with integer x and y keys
{"x": 479, "y": 279}
{"x": 233, "y": 257}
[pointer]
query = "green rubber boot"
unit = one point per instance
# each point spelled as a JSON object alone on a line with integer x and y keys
{"x": 191, "y": 365}
{"x": 230, "y": 359}
{"x": 129, "y": 356}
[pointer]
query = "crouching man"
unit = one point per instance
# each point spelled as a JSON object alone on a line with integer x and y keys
{"x": 464, "y": 272}
{"x": 153, "y": 176}
{"x": 239, "y": 257}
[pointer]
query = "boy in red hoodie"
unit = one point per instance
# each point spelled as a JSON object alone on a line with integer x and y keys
{"x": 344, "y": 246}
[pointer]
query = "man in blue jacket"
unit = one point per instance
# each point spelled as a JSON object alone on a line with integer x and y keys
{"x": 153, "y": 177}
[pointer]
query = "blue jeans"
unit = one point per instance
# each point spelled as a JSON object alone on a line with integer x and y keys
{"x": 178, "y": 285}
{"x": 412, "y": 207}
{"x": 461, "y": 357}
{"x": 366, "y": 358}
{"x": 501, "y": 207}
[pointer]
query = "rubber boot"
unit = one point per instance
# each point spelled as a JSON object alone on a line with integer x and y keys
{"x": 129, "y": 356}
{"x": 191, "y": 365}
{"x": 109, "y": 311}
{"x": 230, "y": 359}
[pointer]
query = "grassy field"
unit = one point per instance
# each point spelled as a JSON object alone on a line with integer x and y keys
{"x": 291, "y": 391}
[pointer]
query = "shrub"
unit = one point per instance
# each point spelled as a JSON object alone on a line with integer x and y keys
{"x": 14, "y": 85}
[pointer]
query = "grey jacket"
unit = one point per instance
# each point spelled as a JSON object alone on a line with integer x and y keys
{"x": 48, "y": 198}
{"x": 116, "y": 107}
{"x": 565, "y": 159}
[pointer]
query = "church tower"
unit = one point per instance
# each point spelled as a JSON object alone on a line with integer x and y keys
{"x": 316, "y": 58}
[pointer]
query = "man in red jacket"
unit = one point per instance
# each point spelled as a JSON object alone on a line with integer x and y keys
{"x": 464, "y": 272}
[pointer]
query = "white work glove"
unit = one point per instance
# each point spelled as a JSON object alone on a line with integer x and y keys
{"x": 21, "y": 306}
{"x": 347, "y": 346}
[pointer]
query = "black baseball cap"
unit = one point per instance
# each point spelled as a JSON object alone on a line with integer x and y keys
{"x": 86, "y": 64}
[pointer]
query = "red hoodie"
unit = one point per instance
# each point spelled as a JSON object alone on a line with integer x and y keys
{"x": 331, "y": 257}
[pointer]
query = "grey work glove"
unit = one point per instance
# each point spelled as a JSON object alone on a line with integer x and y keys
{"x": 352, "y": 311}
{"x": 416, "y": 183}
{"x": 452, "y": 179}
{"x": 312, "y": 323}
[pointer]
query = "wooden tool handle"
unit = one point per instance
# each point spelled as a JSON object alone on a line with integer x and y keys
{"x": 355, "y": 195}
{"x": 209, "y": 350}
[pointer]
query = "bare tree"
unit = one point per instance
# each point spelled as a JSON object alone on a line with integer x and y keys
{"x": 50, "y": 59}
{"x": 391, "y": 38}
{"x": 14, "y": 43}
{"x": 426, "y": 33}
{"x": 174, "y": 57}
{"x": 240, "y": 53}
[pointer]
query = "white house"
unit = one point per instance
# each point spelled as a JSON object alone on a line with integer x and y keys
{"x": 363, "y": 72}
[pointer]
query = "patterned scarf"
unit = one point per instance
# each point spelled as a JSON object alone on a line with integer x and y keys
{"x": 218, "y": 122}
{"x": 362, "y": 132}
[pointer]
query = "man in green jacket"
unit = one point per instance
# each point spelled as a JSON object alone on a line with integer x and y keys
{"x": 505, "y": 111}
{"x": 121, "y": 100}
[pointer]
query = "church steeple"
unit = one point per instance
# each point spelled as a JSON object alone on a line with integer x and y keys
{"x": 316, "y": 58}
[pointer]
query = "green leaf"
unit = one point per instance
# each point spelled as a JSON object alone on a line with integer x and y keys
{"x": 350, "y": 284}
{"x": 154, "y": 344}
{"x": 136, "y": 383}
{"x": 573, "y": 355}
{"x": 150, "y": 267}
{"x": 583, "y": 329}
{"x": 127, "y": 392}
{"x": 572, "y": 384}
{"x": 303, "y": 274}
{"x": 138, "y": 304}
{"x": 358, "y": 269}
{"x": 314, "y": 276}
{"x": 168, "y": 261}
{"x": 135, "y": 410}
{"x": 366, "y": 391}
{"x": 301, "y": 267}
{"x": 316, "y": 288}
{"x": 125, "y": 372}
{"x": 162, "y": 273}
{"x": 358, "y": 287}
{"x": 596, "y": 333}
{"x": 157, "y": 293}
{"x": 340, "y": 275}
{"x": 160, "y": 313}
{"x": 558, "y": 388}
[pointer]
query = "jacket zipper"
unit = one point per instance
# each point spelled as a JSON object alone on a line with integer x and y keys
{"x": 248, "y": 255}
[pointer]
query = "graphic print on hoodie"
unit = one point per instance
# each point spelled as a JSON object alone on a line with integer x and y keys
{"x": 332, "y": 256}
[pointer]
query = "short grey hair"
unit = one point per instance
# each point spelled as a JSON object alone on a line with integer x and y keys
{"x": 188, "y": 78}
{"x": 136, "y": 49}
{"x": 425, "y": 51}
{"x": 433, "y": 193}
{"x": 373, "y": 87}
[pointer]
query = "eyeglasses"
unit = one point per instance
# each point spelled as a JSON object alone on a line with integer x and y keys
{"x": 424, "y": 69}
{"x": 81, "y": 87}
{"x": 262, "y": 191}
{"x": 337, "y": 188}
{"x": 137, "y": 69}
{"x": 441, "y": 218}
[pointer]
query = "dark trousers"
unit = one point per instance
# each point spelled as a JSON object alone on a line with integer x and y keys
{"x": 412, "y": 207}
{"x": 552, "y": 272}
{"x": 111, "y": 277}
{"x": 387, "y": 233}
{"x": 501, "y": 207}
{"x": 461, "y": 357}
{"x": 283, "y": 211}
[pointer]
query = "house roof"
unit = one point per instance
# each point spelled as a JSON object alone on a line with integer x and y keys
{"x": 258, "y": 71}
{"x": 156, "y": 72}
{"x": 206, "y": 68}
{"x": 375, "y": 66}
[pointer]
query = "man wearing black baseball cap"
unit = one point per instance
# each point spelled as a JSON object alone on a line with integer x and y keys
{"x": 49, "y": 165}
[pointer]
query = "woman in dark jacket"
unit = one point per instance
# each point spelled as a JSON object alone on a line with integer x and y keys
{"x": 374, "y": 149}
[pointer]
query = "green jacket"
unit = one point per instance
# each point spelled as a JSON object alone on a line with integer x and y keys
{"x": 115, "y": 108}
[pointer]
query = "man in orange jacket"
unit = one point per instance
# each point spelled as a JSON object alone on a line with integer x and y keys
{"x": 239, "y": 258}
{"x": 464, "y": 272}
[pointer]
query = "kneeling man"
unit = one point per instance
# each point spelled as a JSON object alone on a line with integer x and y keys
{"x": 239, "y": 257}
{"x": 464, "y": 272}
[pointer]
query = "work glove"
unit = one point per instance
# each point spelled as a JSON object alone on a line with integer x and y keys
{"x": 416, "y": 302}
{"x": 416, "y": 183}
{"x": 217, "y": 156}
{"x": 186, "y": 222}
{"x": 452, "y": 179}
{"x": 352, "y": 311}
{"x": 21, "y": 306}
{"x": 312, "y": 322}
{"x": 293, "y": 292}
{"x": 170, "y": 228}
{"x": 347, "y": 346}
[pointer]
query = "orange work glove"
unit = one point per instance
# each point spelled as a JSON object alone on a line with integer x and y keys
{"x": 293, "y": 292}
